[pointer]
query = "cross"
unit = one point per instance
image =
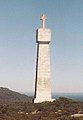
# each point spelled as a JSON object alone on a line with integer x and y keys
{"x": 43, "y": 18}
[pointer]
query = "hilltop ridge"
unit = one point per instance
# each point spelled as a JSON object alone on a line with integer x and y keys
{"x": 7, "y": 95}
{"x": 16, "y": 106}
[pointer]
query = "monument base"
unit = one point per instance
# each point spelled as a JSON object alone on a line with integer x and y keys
{"x": 43, "y": 100}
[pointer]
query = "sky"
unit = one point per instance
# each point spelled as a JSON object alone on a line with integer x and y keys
{"x": 19, "y": 20}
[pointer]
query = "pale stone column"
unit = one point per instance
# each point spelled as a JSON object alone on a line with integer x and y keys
{"x": 43, "y": 73}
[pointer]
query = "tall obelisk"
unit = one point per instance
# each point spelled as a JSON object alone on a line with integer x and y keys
{"x": 43, "y": 73}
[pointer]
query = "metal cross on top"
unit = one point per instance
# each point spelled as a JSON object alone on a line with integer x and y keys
{"x": 43, "y": 18}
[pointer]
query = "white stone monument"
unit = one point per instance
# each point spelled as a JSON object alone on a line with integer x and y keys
{"x": 43, "y": 73}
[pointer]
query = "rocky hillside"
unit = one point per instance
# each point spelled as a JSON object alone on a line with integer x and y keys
{"x": 61, "y": 109}
{"x": 16, "y": 106}
{"x": 7, "y": 95}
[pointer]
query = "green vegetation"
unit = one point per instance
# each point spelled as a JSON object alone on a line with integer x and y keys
{"x": 61, "y": 109}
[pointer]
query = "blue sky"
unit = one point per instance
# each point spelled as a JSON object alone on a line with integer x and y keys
{"x": 19, "y": 20}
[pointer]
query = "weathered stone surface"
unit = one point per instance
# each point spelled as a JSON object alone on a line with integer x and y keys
{"x": 44, "y": 35}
